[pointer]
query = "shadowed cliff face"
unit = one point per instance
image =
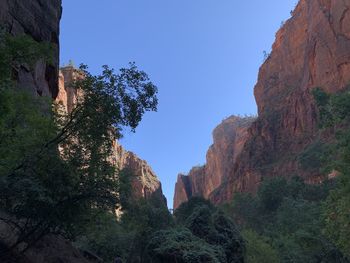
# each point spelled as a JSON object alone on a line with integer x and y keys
{"x": 229, "y": 139}
{"x": 39, "y": 19}
{"x": 145, "y": 183}
{"x": 312, "y": 49}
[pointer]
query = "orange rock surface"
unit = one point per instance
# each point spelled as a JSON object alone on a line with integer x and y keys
{"x": 229, "y": 139}
{"x": 312, "y": 49}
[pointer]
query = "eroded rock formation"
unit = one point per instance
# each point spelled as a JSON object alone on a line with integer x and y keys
{"x": 39, "y": 19}
{"x": 229, "y": 138}
{"x": 312, "y": 49}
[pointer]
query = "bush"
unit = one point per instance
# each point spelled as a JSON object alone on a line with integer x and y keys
{"x": 314, "y": 157}
{"x": 212, "y": 226}
{"x": 287, "y": 215}
{"x": 271, "y": 193}
{"x": 187, "y": 208}
{"x": 258, "y": 249}
{"x": 334, "y": 112}
{"x": 179, "y": 245}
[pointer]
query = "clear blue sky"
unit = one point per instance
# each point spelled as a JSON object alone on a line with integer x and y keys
{"x": 203, "y": 55}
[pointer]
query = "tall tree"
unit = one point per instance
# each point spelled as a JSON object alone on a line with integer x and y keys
{"x": 55, "y": 169}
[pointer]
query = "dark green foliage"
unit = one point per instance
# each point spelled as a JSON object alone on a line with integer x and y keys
{"x": 147, "y": 215}
{"x": 337, "y": 211}
{"x": 322, "y": 101}
{"x": 259, "y": 250}
{"x": 127, "y": 237}
{"x": 315, "y": 156}
{"x": 146, "y": 232}
{"x": 37, "y": 186}
{"x": 16, "y": 51}
{"x": 200, "y": 222}
{"x": 287, "y": 217}
{"x": 271, "y": 193}
{"x": 125, "y": 188}
{"x": 212, "y": 226}
{"x": 123, "y": 98}
{"x": 105, "y": 237}
{"x": 228, "y": 237}
{"x": 143, "y": 218}
{"x": 186, "y": 209}
{"x": 334, "y": 112}
{"x": 179, "y": 245}
{"x": 246, "y": 210}
{"x": 333, "y": 108}
{"x": 55, "y": 173}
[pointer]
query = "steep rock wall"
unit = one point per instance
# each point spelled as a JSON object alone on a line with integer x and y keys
{"x": 145, "y": 183}
{"x": 39, "y": 19}
{"x": 229, "y": 138}
{"x": 312, "y": 49}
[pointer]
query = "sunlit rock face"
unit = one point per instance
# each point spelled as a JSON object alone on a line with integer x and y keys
{"x": 229, "y": 138}
{"x": 67, "y": 93}
{"x": 39, "y": 19}
{"x": 312, "y": 49}
{"x": 144, "y": 181}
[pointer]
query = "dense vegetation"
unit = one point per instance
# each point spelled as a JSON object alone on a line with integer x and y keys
{"x": 147, "y": 232}
{"x": 291, "y": 221}
{"x": 55, "y": 173}
{"x": 284, "y": 222}
{"x": 334, "y": 112}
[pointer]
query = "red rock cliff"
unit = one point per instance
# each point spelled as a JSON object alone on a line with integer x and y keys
{"x": 145, "y": 182}
{"x": 39, "y": 19}
{"x": 229, "y": 139}
{"x": 312, "y": 49}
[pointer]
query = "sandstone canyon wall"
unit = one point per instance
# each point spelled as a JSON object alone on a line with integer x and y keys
{"x": 40, "y": 19}
{"x": 145, "y": 183}
{"x": 229, "y": 138}
{"x": 312, "y": 49}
